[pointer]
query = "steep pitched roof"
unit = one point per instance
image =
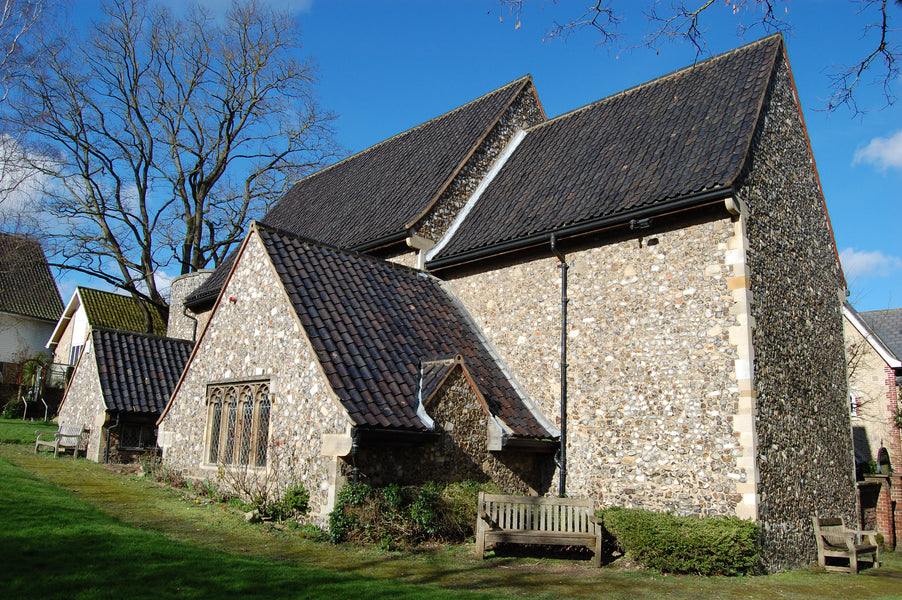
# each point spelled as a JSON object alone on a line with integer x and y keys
{"x": 372, "y": 323}
{"x": 374, "y": 197}
{"x": 115, "y": 311}
{"x": 138, "y": 372}
{"x": 26, "y": 286}
{"x": 679, "y": 136}
{"x": 888, "y": 325}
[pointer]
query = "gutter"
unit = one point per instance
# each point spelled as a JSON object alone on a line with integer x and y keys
{"x": 595, "y": 225}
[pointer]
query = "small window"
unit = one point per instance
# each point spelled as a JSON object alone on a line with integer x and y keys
{"x": 238, "y": 423}
{"x": 74, "y": 353}
{"x": 138, "y": 437}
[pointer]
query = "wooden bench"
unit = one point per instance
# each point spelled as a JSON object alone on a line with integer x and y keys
{"x": 67, "y": 437}
{"x": 537, "y": 520}
{"x": 835, "y": 541}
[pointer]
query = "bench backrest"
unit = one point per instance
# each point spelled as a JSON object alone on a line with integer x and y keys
{"x": 832, "y": 530}
{"x": 537, "y": 513}
{"x": 70, "y": 435}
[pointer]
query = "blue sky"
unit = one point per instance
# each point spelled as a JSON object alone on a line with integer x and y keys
{"x": 387, "y": 66}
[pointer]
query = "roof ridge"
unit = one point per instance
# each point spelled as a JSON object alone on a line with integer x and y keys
{"x": 102, "y": 329}
{"x": 656, "y": 80}
{"x": 339, "y": 250}
{"x": 527, "y": 77}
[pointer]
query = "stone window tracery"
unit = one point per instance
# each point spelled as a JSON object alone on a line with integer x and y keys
{"x": 238, "y": 423}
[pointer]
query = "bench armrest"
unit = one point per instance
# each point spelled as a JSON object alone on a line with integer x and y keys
{"x": 42, "y": 432}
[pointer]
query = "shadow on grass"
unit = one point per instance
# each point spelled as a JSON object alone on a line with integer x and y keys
{"x": 56, "y": 546}
{"x": 106, "y": 535}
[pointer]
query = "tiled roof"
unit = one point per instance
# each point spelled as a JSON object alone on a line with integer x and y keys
{"x": 26, "y": 286}
{"x": 887, "y": 324}
{"x": 379, "y": 193}
{"x": 433, "y": 374}
{"x": 138, "y": 372}
{"x": 115, "y": 311}
{"x": 371, "y": 323}
{"x": 675, "y": 137}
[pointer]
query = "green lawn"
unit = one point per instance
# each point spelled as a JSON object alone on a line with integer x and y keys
{"x": 72, "y": 529}
{"x": 16, "y": 431}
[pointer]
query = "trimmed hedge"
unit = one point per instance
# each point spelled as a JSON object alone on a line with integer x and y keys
{"x": 397, "y": 517}
{"x": 703, "y": 546}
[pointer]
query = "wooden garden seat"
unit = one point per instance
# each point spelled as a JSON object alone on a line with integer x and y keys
{"x": 835, "y": 541}
{"x": 537, "y": 520}
{"x": 67, "y": 437}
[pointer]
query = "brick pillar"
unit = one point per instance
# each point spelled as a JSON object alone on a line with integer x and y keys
{"x": 889, "y": 508}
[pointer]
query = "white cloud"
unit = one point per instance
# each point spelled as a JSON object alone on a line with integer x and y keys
{"x": 884, "y": 153}
{"x": 862, "y": 263}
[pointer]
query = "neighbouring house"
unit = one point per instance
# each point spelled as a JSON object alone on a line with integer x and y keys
{"x": 322, "y": 365}
{"x": 120, "y": 386}
{"x": 704, "y": 346}
{"x": 89, "y": 308}
{"x": 30, "y": 303}
{"x": 873, "y": 351}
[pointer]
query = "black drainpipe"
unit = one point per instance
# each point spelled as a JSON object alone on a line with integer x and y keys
{"x": 106, "y": 453}
{"x": 562, "y": 452}
{"x": 355, "y": 473}
{"x": 194, "y": 332}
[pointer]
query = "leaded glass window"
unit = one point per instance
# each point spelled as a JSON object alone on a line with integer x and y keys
{"x": 238, "y": 415}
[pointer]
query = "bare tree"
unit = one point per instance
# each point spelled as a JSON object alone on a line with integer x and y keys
{"x": 684, "y": 21}
{"x": 165, "y": 136}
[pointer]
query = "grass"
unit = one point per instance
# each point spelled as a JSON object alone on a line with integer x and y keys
{"x": 16, "y": 431}
{"x": 69, "y": 528}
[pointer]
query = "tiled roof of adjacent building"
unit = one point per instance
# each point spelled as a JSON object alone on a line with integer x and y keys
{"x": 115, "y": 311}
{"x": 138, "y": 372}
{"x": 27, "y": 287}
{"x": 372, "y": 323}
{"x": 375, "y": 196}
{"x": 887, "y": 324}
{"x": 676, "y": 137}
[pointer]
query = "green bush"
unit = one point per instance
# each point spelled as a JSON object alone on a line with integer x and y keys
{"x": 394, "y": 516}
{"x": 294, "y": 503}
{"x": 704, "y": 546}
{"x": 13, "y": 409}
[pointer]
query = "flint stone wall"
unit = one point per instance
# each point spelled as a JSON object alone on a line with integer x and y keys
{"x": 523, "y": 112}
{"x": 805, "y": 452}
{"x": 181, "y": 326}
{"x": 652, "y": 384}
{"x": 258, "y": 337}
{"x": 83, "y": 403}
{"x": 460, "y": 454}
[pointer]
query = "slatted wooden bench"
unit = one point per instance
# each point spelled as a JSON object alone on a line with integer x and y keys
{"x": 537, "y": 520}
{"x": 835, "y": 541}
{"x": 67, "y": 437}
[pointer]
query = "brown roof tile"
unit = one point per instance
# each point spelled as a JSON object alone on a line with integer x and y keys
{"x": 138, "y": 372}
{"x": 674, "y": 137}
{"x": 410, "y": 318}
{"x": 379, "y": 193}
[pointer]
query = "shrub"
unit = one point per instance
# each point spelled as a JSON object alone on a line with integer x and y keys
{"x": 394, "y": 516}
{"x": 705, "y": 546}
{"x": 294, "y": 503}
{"x": 13, "y": 409}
